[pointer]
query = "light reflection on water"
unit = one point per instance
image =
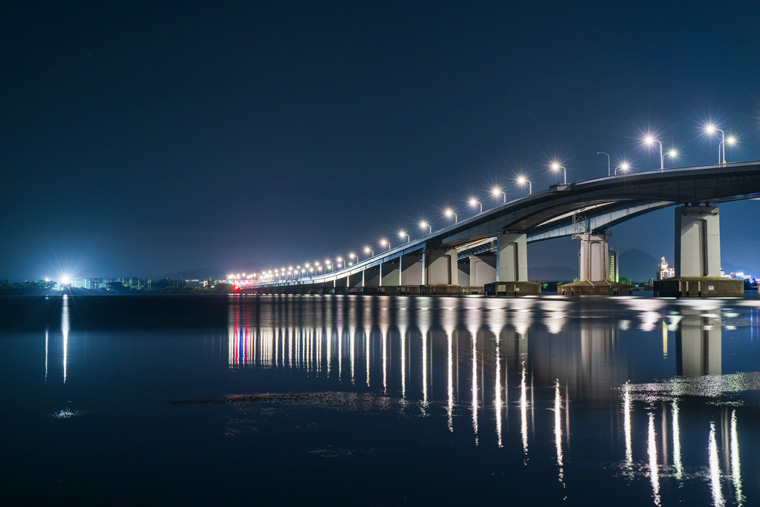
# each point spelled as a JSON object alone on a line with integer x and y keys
{"x": 482, "y": 342}
{"x": 660, "y": 385}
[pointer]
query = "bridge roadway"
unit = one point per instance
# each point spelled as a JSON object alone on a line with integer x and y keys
{"x": 590, "y": 206}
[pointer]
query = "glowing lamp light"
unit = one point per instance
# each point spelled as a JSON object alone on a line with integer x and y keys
{"x": 624, "y": 167}
{"x": 65, "y": 280}
{"x": 649, "y": 140}
{"x": 710, "y": 128}
{"x": 673, "y": 153}
{"x": 731, "y": 140}
{"x": 367, "y": 249}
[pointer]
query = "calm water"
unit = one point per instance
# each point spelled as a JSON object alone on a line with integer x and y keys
{"x": 380, "y": 400}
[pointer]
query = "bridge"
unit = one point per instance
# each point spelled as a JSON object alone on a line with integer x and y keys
{"x": 488, "y": 252}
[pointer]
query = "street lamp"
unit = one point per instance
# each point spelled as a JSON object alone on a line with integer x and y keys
{"x": 556, "y": 166}
{"x": 385, "y": 242}
{"x": 673, "y": 153}
{"x": 352, "y": 255}
{"x": 474, "y": 202}
{"x": 328, "y": 262}
{"x": 401, "y": 235}
{"x": 710, "y": 129}
{"x": 522, "y": 180}
{"x": 369, "y": 251}
{"x": 497, "y": 191}
{"x": 608, "y": 161}
{"x": 424, "y": 223}
{"x": 649, "y": 140}
{"x": 339, "y": 261}
{"x": 448, "y": 213}
{"x": 624, "y": 166}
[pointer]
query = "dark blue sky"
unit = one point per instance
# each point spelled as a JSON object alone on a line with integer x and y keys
{"x": 143, "y": 139}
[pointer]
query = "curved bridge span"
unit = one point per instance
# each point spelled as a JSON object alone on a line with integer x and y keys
{"x": 584, "y": 209}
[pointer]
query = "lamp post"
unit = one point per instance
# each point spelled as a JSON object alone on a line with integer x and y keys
{"x": 401, "y": 235}
{"x": 424, "y": 223}
{"x": 474, "y": 202}
{"x": 352, "y": 255}
{"x": 369, "y": 251}
{"x": 711, "y": 129}
{"x": 385, "y": 242}
{"x": 328, "y": 262}
{"x": 522, "y": 180}
{"x": 608, "y": 161}
{"x": 497, "y": 191}
{"x": 339, "y": 261}
{"x": 448, "y": 213}
{"x": 624, "y": 166}
{"x": 649, "y": 140}
{"x": 556, "y": 166}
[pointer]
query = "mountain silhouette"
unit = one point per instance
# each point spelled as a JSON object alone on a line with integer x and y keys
{"x": 638, "y": 265}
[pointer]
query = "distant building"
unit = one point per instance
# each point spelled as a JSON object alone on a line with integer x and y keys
{"x": 614, "y": 266}
{"x": 96, "y": 283}
{"x": 664, "y": 271}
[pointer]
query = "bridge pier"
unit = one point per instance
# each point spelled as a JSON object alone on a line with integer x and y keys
{"x": 390, "y": 273}
{"x": 411, "y": 269}
{"x": 594, "y": 269}
{"x": 511, "y": 269}
{"x": 463, "y": 272}
{"x": 371, "y": 280}
{"x": 697, "y": 249}
{"x": 483, "y": 269}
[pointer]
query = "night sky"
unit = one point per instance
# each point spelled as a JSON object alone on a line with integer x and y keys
{"x": 150, "y": 138}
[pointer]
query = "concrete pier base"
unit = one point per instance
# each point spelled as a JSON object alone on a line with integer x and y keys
{"x": 699, "y": 287}
{"x": 594, "y": 288}
{"x": 512, "y": 289}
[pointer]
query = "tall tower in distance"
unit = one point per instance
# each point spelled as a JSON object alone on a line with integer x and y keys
{"x": 614, "y": 266}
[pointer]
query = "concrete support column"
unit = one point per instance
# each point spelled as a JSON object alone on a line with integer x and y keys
{"x": 512, "y": 258}
{"x": 482, "y": 269}
{"x": 390, "y": 273}
{"x": 441, "y": 267}
{"x": 697, "y": 241}
{"x": 372, "y": 277}
{"x": 594, "y": 259}
{"x": 463, "y": 275}
{"x": 411, "y": 272}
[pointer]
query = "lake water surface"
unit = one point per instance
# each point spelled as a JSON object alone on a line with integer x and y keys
{"x": 363, "y": 400}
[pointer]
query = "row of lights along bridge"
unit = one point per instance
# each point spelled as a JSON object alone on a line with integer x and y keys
{"x": 310, "y": 269}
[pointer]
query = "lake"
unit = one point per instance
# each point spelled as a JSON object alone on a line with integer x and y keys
{"x": 371, "y": 400}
